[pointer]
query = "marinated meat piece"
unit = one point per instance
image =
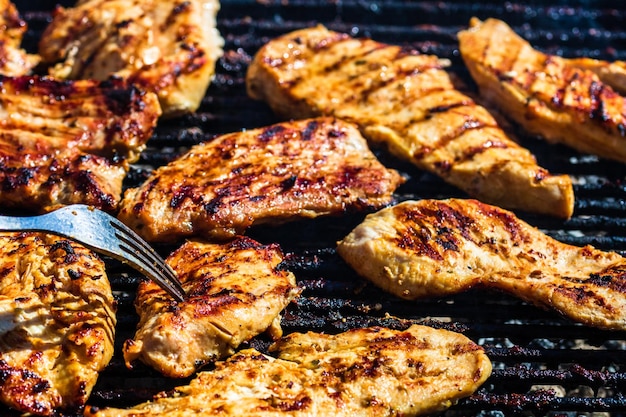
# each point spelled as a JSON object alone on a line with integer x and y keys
{"x": 273, "y": 174}
{"x": 69, "y": 142}
{"x": 235, "y": 292}
{"x": 166, "y": 46}
{"x": 543, "y": 93}
{"x": 431, "y": 248}
{"x": 363, "y": 372}
{"x": 14, "y": 61}
{"x": 57, "y": 326}
{"x": 408, "y": 102}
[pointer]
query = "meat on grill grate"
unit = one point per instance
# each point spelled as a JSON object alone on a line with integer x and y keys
{"x": 543, "y": 365}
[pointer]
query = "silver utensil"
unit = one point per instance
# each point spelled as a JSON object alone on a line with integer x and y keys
{"x": 104, "y": 234}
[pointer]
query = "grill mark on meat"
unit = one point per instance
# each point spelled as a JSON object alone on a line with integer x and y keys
{"x": 613, "y": 277}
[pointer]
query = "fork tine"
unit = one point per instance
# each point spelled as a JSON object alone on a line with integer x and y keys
{"x": 160, "y": 271}
{"x": 149, "y": 260}
{"x": 167, "y": 282}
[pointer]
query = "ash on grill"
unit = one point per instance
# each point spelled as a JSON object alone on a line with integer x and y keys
{"x": 543, "y": 365}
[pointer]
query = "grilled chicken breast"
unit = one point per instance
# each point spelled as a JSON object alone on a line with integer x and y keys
{"x": 408, "y": 102}
{"x": 363, "y": 372}
{"x": 432, "y": 248}
{"x": 14, "y": 61}
{"x": 65, "y": 142}
{"x": 166, "y": 46}
{"x": 543, "y": 93}
{"x": 235, "y": 292}
{"x": 273, "y": 174}
{"x": 57, "y": 326}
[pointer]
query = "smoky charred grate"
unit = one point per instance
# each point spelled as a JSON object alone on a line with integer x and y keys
{"x": 543, "y": 364}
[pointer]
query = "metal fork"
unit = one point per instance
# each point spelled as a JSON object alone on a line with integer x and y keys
{"x": 101, "y": 233}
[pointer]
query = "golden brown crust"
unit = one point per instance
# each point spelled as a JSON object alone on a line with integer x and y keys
{"x": 611, "y": 73}
{"x": 407, "y": 101}
{"x": 543, "y": 93}
{"x": 235, "y": 293}
{"x": 273, "y": 174}
{"x": 58, "y": 322}
{"x": 69, "y": 142}
{"x": 364, "y": 372}
{"x": 168, "y": 47}
{"x": 438, "y": 247}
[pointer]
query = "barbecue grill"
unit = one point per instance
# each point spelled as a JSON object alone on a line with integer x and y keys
{"x": 544, "y": 365}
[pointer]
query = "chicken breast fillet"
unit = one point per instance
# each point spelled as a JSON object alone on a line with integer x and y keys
{"x": 543, "y": 93}
{"x": 14, "y": 61}
{"x": 235, "y": 292}
{"x": 57, "y": 326}
{"x": 66, "y": 142}
{"x": 363, "y": 372}
{"x": 273, "y": 174}
{"x": 408, "y": 102}
{"x": 166, "y": 46}
{"x": 432, "y": 248}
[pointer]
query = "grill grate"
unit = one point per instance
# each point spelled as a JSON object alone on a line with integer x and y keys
{"x": 543, "y": 365}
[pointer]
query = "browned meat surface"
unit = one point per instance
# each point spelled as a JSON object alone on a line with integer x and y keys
{"x": 166, "y": 46}
{"x": 235, "y": 293}
{"x": 363, "y": 372}
{"x": 273, "y": 174}
{"x": 408, "y": 102}
{"x": 436, "y": 247}
{"x": 14, "y": 61}
{"x": 543, "y": 93}
{"x": 66, "y": 142}
{"x": 57, "y": 323}
{"x": 611, "y": 73}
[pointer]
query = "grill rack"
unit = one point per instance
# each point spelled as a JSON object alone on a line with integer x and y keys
{"x": 543, "y": 364}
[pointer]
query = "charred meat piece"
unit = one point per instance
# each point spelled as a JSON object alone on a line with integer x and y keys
{"x": 431, "y": 248}
{"x": 362, "y": 372}
{"x": 235, "y": 292}
{"x": 407, "y": 101}
{"x": 14, "y": 61}
{"x": 166, "y": 46}
{"x": 544, "y": 93}
{"x": 57, "y": 326}
{"x": 273, "y": 174}
{"x": 66, "y": 142}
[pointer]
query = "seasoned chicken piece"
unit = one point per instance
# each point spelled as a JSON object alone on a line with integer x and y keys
{"x": 407, "y": 101}
{"x": 57, "y": 326}
{"x": 543, "y": 93}
{"x": 432, "y": 248}
{"x": 14, "y": 61}
{"x": 611, "y": 73}
{"x": 363, "y": 372}
{"x": 166, "y": 46}
{"x": 273, "y": 174}
{"x": 235, "y": 291}
{"x": 65, "y": 142}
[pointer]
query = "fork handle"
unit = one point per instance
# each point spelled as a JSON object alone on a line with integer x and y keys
{"x": 20, "y": 224}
